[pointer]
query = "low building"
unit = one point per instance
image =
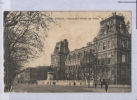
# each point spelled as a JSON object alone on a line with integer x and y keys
{"x": 37, "y": 73}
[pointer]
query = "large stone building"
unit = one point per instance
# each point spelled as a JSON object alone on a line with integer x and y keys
{"x": 108, "y": 57}
{"x": 58, "y": 58}
{"x": 113, "y": 49}
{"x": 78, "y": 62}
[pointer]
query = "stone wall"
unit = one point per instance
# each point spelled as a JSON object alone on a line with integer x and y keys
{"x": 65, "y": 82}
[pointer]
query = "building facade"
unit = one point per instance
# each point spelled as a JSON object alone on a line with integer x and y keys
{"x": 58, "y": 58}
{"x": 107, "y": 58}
{"x": 78, "y": 62}
{"x": 113, "y": 50}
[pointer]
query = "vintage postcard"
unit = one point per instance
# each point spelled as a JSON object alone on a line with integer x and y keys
{"x": 67, "y": 51}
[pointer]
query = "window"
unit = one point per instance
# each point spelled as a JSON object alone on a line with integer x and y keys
{"x": 108, "y": 44}
{"x": 84, "y": 53}
{"x": 127, "y": 44}
{"x": 79, "y": 55}
{"x": 109, "y": 60}
{"x": 123, "y": 71}
{"x": 113, "y": 43}
{"x": 108, "y": 55}
{"x": 90, "y": 51}
{"x": 103, "y": 61}
{"x": 122, "y": 44}
{"x": 99, "y": 46}
{"x": 104, "y": 46}
{"x": 69, "y": 57}
{"x": 74, "y": 56}
{"x": 123, "y": 58}
{"x": 102, "y": 31}
{"x": 107, "y": 28}
{"x": 112, "y": 21}
{"x": 99, "y": 61}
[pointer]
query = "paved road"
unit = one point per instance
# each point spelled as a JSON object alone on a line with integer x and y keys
{"x": 51, "y": 88}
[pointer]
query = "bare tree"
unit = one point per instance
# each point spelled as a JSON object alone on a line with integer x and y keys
{"x": 88, "y": 67}
{"x": 23, "y": 40}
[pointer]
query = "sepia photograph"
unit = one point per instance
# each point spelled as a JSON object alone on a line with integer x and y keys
{"x": 62, "y": 51}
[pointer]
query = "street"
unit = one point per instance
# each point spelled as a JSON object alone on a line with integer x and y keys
{"x": 57, "y": 88}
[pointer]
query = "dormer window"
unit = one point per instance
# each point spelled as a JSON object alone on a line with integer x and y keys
{"x": 102, "y": 31}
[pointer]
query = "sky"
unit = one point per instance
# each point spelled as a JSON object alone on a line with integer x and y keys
{"x": 78, "y": 28}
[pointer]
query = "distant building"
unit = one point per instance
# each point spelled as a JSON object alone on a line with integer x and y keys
{"x": 111, "y": 47}
{"x": 37, "y": 73}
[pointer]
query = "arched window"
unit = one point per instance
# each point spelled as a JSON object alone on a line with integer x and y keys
{"x": 104, "y": 46}
{"x": 108, "y": 44}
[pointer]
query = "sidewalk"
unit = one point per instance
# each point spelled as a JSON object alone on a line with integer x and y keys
{"x": 119, "y": 85}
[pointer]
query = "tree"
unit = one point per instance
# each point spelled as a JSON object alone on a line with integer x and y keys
{"x": 91, "y": 68}
{"x": 88, "y": 67}
{"x": 23, "y": 40}
{"x": 102, "y": 69}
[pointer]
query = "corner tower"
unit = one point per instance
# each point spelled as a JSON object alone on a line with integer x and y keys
{"x": 113, "y": 49}
{"x": 58, "y": 58}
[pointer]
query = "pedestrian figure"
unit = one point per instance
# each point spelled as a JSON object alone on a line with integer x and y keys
{"x": 95, "y": 85}
{"x": 106, "y": 87}
{"x": 54, "y": 83}
{"x": 80, "y": 83}
{"x": 74, "y": 83}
